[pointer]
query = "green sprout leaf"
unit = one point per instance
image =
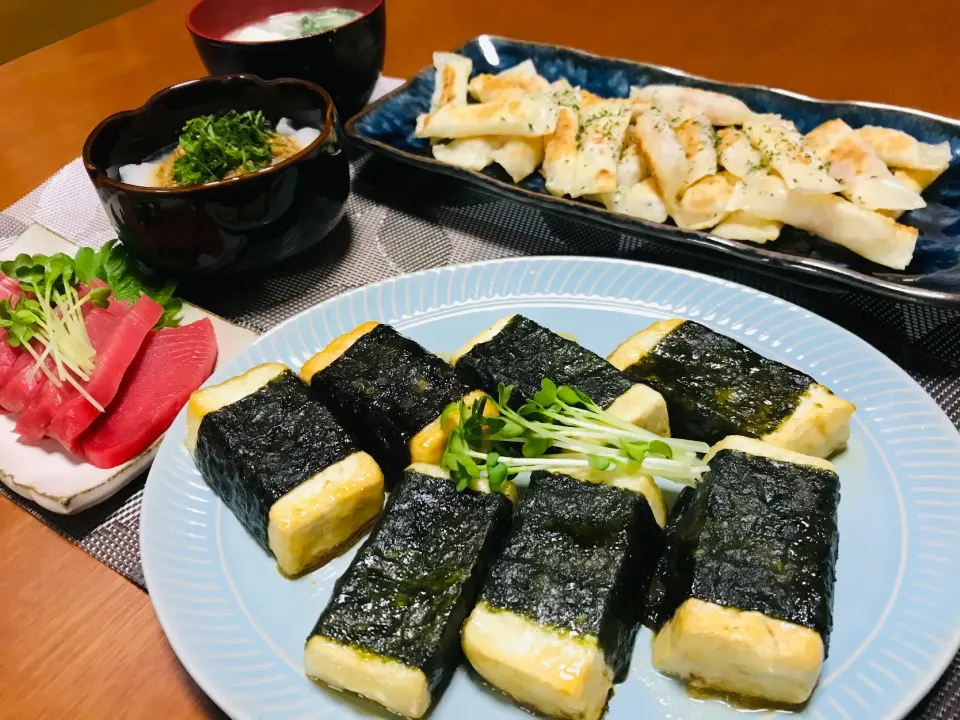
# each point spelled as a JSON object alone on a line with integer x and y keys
{"x": 568, "y": 395}
{"x": 503, "y": 394}
{"x": 658, "y": 447}
{"x": 535, "y": 446}
{"x": 600, "y": 462}
{"x": 635, "y": 450}
{"x": 547, "y": 396}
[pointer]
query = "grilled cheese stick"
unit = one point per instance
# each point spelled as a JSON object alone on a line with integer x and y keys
{"x": 450, "y": 83}
{"x": 898, "y": 149}
{"x": 721, "y": 109}
{"x": 736, "y": 155}
{"x": 706, "y": 203}
{"x": 664, "y": 155}
{"x": 474, "y": 153}
{"x": 865, "y": 178}
{"x": 783, "y": 147}
{"x": 698, "y": 140}
{"x": 740, "y": 225}
{"x": 526, "y": 116}
{"x": 520, "y": 157}
{"x": 602, "y": 127}
{"x": 631, "y": 169}
{"x": 642, "y": 200}
{"x": 517, "y": 80}
{"x": 869, "y": 234}
{"x": 560, "y": 147}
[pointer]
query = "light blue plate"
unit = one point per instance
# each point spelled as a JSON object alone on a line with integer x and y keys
{"x": 239, "y": 627}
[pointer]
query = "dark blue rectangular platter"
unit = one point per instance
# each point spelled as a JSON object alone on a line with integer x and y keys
{"x": 933, "y": 278}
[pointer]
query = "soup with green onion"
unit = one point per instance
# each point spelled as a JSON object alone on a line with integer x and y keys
{"x": 288, "y": 25}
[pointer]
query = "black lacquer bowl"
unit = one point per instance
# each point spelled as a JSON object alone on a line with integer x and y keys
{"x": 345, "y": 60}
{"x": 387, "y": 127}
{"x": 232, "y": 226}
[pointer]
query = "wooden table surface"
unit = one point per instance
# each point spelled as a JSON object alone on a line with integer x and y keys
{"x": 76, "y": 639}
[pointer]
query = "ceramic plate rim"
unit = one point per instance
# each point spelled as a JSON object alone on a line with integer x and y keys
{"x": 919, "y": 689}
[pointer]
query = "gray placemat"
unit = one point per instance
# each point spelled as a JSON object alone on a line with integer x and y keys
{"x": 400, "y": 220}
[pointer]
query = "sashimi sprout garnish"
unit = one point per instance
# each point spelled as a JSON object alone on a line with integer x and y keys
{"x": 113, "y": 265}
{"x": 559, "y": 429}
{"x": 50, "y": 317}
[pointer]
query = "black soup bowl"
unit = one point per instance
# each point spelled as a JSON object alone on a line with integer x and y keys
{"x": 345, "y": 60}
{"x": 235, "y": 225}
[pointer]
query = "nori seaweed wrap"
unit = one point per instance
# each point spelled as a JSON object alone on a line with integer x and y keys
{"x": 517, "y": 351}
{"x": 389, "y": 391}
{"x": 742, "y": 597}
{"x": 289, "y": 472}
{"x": 715, "y": 387}
{"x": 558, "y": 615}
{"x": 391, "y": 631}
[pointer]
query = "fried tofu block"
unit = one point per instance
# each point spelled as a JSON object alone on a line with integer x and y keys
{"x": 558, "y": 614}
{"x": 283, "y": 465}
{"x": 520, "y": 352}
{"x": 715, "y": 387}
{"x": 390, "y": 392}
{"x": 417, "y": 576}
{"x": 754, "y": 622}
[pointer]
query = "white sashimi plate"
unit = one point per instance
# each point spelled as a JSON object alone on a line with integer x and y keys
{"x": 239, "y": 627}
{"x": 46, "y": 473}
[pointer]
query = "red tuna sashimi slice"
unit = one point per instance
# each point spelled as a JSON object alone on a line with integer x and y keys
{"x": 22, "y": 381}
{"x": 114, "y": 359}
{"x": 24, "y": 377}
{"x": 8, "y": 358}
{"x": 172, "y": 364}
{"x": 42, "y": 405}
{"x": 9, "y": 289}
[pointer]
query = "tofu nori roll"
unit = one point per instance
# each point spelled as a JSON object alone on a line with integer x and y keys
{"x": 391, "y": 631}
{"x": 558, "y": 614}
{"x": 715, "y": 387}
{"x": 390, "y": 392}
{"x": 289, "y": 472}
{"x": 517, "y": 351}
{"x": 742, "y": 598}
